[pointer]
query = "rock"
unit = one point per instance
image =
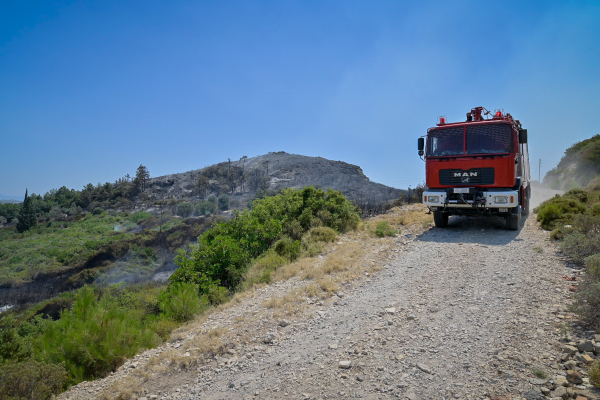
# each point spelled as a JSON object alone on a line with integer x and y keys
{"x": 359, "y": 378}
{"x": 534, "y": 395}
{"x": 569, "y": 349}
{"x": 346, "y": 364}
{"x": 587, "y": 359}
{"x": 424, "y": 368}
{"x": 536, "y": 381}
{"x": 283, "y": 323}
{"x": 570, "y": 365}
{"x": 333, "y": 346}
{"x": 560, "y": 392}
{"x": 561, "y": 381}
{"x": 574, "y": 377}
{"x": 391, "y": 310}
{"x": 585, "y": 345}
{"x": 269, "y": 338}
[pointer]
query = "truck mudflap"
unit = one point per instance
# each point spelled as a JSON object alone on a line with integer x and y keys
{"x": 496, "y": 200}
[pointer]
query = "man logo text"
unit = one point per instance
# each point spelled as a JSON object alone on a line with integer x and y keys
{"x": 464, "y": 174}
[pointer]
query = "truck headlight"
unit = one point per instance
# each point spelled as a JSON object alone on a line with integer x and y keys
{"x": 500, "y": 199}
{"x": 433, "y": 199}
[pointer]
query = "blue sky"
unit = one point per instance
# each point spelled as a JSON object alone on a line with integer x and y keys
{"x": 90, "y": 90}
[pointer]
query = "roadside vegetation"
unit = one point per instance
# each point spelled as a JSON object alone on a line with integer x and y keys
{"x": 574, "y": 219}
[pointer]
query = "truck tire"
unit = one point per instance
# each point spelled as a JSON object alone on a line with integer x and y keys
{"x": 513, "y": 219}
{"x": 440, "y": 219}
{"x": 525, "y": 203}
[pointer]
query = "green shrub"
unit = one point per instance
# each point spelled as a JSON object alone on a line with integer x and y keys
{"x": 185, "y": 209}
{"x": 212, "y": 199}
{"x": 383, "y": 229}
{"x": 139, "y": 216}
{"x": 13, "y": 347}
{"x": 579, "y": 246}
{"x": 31, "y": 380}
{"x": 592, "y": 263}
{"x": 97, "y": 211}
{"x": 205, "y": 208}
{"x": 287, "y": 248}
{"x": 320, "y": 234}
{"x": 262, "y": 269}
{"x": 225, "y": 251}
{"x": 95, "y": 336}
{"x": 180, "y": 301}
{"x": 223, "y": 202}
{"x": 559, "y": 210}
{"x": 595, "y": 374}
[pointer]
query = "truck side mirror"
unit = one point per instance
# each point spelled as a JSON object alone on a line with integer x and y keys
{"x": 421, "y": 146}
{"x": 522, "y": 136}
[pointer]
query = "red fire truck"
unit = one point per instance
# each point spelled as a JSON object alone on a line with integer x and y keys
{"x": 477, "y": 167}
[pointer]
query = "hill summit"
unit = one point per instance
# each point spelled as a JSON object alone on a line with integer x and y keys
{"x": 246, "y": 177}
{"x": 577, "y": 168}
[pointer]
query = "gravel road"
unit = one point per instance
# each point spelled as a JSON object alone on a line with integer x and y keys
{"x": 464, "y": 312}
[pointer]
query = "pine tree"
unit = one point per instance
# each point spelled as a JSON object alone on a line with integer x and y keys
{"x": 141, "y": 177}
{"x": 27, "y": 218}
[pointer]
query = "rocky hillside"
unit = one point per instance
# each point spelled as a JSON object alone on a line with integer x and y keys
{"x": 273, "y": 171}
{"x": 577, "y": 168}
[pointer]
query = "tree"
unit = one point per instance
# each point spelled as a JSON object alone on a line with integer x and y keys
{"x": 203, "y": 183}
{"x": 141, "y": 177}
{"x": 223, "y": 202}
{"x": 27, "y": 218}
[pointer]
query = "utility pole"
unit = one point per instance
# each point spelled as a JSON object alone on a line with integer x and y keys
{"x": 540, "y": 172}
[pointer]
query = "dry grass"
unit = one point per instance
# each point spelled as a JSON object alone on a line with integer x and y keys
{"x": 122, "y": 390}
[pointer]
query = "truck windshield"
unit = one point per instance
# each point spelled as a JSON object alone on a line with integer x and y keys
{"x": 489, "y": 139}
{"x": 480, "y": 139}
{"x": 446, "y": 142}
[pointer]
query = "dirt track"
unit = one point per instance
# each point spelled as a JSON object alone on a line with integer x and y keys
{"x": 463, "y": 312}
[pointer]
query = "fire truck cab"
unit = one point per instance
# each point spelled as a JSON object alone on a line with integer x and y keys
{"x": 477, "y": 167}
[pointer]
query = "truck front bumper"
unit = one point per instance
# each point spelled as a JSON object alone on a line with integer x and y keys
{"x": 494, "y": 199}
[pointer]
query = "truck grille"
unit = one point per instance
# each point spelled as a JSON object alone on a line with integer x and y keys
{"x": 467, "y": 177}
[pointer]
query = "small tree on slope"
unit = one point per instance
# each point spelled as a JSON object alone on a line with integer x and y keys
{"x": 27, "y": 218}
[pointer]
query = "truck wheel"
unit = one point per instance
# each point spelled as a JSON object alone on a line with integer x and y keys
{"x": 525, "y": 203}
{"x": 513, "y": 219}
{"x": 440, "y": 219}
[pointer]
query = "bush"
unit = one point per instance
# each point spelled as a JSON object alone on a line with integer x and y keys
{"x": 262, "y": 269}
{"x": 595, "y": 374}
{"x": 95, "y": 336}
{"x": 180, "y": 302}
{"x": 223, "y": 202}
{"x": 287, "y": 248}
{"x": 320, "y": 234}
{"x": 383, "y": 229}
{"x": 140, "y": 216}
{"x": 31, "y": 380}
{"x": 559, "y": 211}
{"x": 579, "y": 246}
{"x": 592, "y": 263}
{"x": 185, "y": 209}
{"x": 225, "y": 252}
{"x": 212, "y": 199}
{"x": 206, "y": 208}
{"x": 97, "y": 211}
